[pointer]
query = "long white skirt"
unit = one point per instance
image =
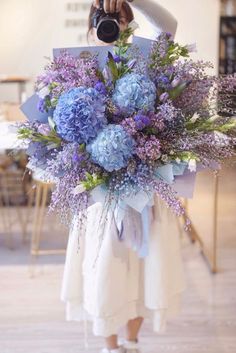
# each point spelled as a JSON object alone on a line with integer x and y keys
{"x": 118, "y": 286}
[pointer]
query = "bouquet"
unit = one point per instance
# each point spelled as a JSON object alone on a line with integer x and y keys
{"x": 127, "y": 127}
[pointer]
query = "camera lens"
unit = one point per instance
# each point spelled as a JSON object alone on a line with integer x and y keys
{"x": 108, "y": 30}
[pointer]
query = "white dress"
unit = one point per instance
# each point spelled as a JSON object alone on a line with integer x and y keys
{"x": 118, "y": 285}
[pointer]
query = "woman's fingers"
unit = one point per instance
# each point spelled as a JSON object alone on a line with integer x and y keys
{"x": 106, "y": 5}
{"x": 119, "y": 5}
{"x": 96, "y": 3}
{"x": 110, "y": 6}
{"x": 113, "y": 4}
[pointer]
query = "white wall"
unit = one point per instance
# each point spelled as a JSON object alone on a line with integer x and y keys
{"x": 29, "y": 29}
{"x": 198, "y": 22}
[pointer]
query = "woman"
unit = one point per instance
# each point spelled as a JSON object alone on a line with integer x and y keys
{"x": 121, "y": 288}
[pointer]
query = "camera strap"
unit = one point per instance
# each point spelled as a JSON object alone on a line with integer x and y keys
{"x": 101, "y": 4}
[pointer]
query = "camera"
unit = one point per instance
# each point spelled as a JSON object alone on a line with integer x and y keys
{"x": 107, "y": 25}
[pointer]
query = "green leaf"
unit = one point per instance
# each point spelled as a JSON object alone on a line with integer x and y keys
{"x": 177, "y": 91}
{"x": 186, "y": 156}
{"x": 112, "y": 66}
{"x": 92, "y": 181}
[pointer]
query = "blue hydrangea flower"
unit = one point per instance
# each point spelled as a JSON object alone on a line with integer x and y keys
{"x": 134, "y": 92}
{"x": 112, "y": 148}
{"x": 80, "y": 114}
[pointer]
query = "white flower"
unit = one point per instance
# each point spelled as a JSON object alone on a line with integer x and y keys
{"x": 79, "y": 189}
{"x": 194, "y": 118}
{"x": 178, "y": 160}
{"x": 192, "y": 165}
{"x": 192, "y": 48}
{"x": 133, "y": 25}
{"x": 43, "y": 92}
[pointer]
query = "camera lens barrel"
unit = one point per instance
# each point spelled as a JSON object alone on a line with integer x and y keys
{"x": 107, "y": 25}
{"x": 108, "y": 30}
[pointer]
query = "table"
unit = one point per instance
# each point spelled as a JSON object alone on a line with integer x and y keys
{"x": 19, "y": 80}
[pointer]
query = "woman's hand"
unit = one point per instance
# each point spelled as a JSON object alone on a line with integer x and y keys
{"x": 110, "y": 6}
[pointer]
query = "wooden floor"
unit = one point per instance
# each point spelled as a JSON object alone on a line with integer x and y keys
{"x": 32, "y": 316}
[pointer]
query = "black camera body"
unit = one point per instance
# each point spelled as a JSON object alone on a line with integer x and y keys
{"x": 107, "y": 25}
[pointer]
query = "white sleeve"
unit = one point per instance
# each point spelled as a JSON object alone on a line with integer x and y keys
{"x": 158, "y": 16}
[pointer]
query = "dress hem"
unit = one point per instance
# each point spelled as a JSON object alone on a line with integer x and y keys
{"x": 107, "y": 326}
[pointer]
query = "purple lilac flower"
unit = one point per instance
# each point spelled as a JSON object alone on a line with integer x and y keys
{"x": 67, "y": 204}
{"x": 66, "y": 72}
{"x": 129, "y": 125}
{"x": 167, "y": 111}
{"x": 137, "y": 61}
{"x": 40, "y": 154}
{"x": 69, "y": 159}
{"x": 67, "y": 168}
{"x": 44, "y": 129}
{"x": 148, "y": 148}
{"x": 194, "y": 98}
{"x": 224, "y": 94}
{"x": 160, "y": 46}
{"x": 164, "y": 97}
{"x": 157, "y": 121}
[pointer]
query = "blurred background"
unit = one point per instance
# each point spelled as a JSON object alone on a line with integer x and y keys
{"x": 33, "y": 243}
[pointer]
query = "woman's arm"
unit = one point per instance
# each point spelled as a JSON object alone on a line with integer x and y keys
{"x": 160, "y": 18}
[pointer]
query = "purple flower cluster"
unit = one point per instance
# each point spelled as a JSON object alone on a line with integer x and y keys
{"x": 168, "y": 112}
{"x": 64, "y": 73}
{"x": 148, "y": 148}
{"x": 129, "y": 125}
{"x": 197, "y": 94}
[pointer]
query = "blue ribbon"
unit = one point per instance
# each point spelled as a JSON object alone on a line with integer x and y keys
{"x": 145, "y": 216}
{"x": 141, "y": 202}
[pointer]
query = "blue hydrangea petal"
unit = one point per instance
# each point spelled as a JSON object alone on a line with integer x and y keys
{"x": 112, "y": 148}
{"x": 80, "y": 114}
{"x": 134, "y": 92}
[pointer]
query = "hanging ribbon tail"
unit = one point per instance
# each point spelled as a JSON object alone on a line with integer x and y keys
{"x": 165, "y": 173}
{"x": 119, "y": 214}
{"x": 145, "y": 216}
